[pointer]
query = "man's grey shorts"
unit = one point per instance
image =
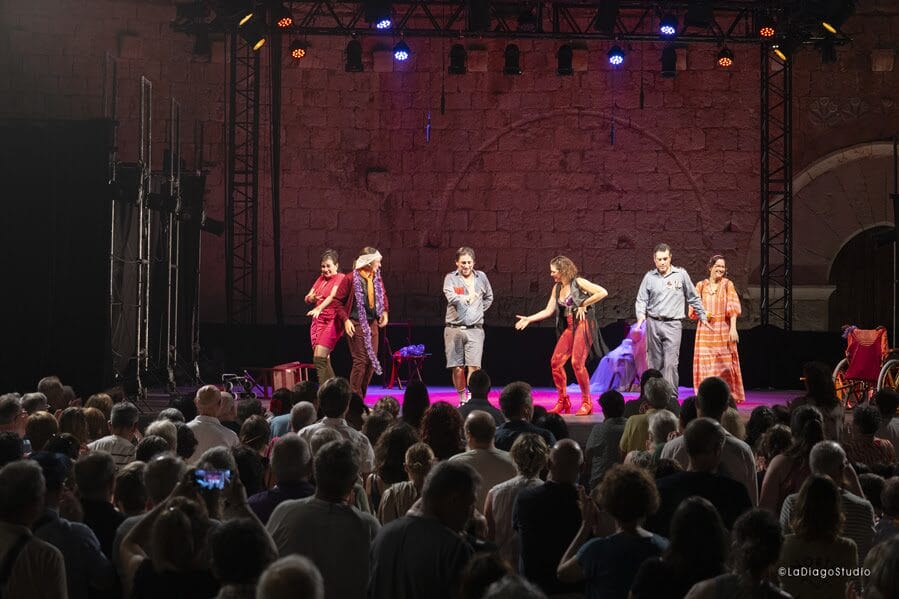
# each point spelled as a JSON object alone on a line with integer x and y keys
{"x": 464, "y": 346}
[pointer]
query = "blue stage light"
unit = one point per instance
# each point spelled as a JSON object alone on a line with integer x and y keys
{"x": 616, "y": 56}
{"x": 668, "y": 26}
{"x": 384, "y": 23}
{"x": 401, "y": 51}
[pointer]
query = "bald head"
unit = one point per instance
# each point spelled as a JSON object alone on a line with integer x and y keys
{"x": 208, "y": 400}
{"x": 479, "y": 430}
{"x": 565, "y": 461}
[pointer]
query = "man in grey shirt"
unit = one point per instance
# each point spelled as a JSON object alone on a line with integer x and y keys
{"x": 468, "y": 295}
{"x": 661, "y": 301}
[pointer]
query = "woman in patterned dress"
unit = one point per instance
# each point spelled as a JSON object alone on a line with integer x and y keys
{"x": 325, "y": 329}
{"x": 715, "y": 352}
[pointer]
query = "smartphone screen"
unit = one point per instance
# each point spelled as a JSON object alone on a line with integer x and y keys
{"x": 212, "y": 479}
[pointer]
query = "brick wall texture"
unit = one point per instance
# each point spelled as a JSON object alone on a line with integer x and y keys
{"x": 520, "y": 167}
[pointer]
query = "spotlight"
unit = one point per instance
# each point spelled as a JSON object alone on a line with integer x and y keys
{"x": 378, "y": 12}
{"x": 607, "y": 16}
{"x": 353, "y": 57}
{"x": 458, "y": 56}
{"x": 837, "y": 12}
{"x": 669, "y": 63}
{"x": 668, "y": 26}
{"x": 281, "y": 16}
{"x": 564, "y": 57}
{"x": 298, "y": 49}
{"x": 401, "y": 51}
{"x": 252, "y": 30}
{"x": 725, "y": 58}
{"x": 767, "y": 27}
{"x": 384, "y": 23}
{"x": 512, "y": 56}
{"x": 616, "y": 56}
{"x": 785, "y": 48}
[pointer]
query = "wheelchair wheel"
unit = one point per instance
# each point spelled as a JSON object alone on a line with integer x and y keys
{"x": 851, "y": 392}
{"x": 889, "y": 375}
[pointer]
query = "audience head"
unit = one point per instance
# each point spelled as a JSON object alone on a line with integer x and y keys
{"x": 612, "y": 404}
{"x": 21, "y": 492}
{"x": 415, "y": 402}
{"x": 530, "y": 454}
{"x": 321, "y": 437}
{"x": 555, "y": 424}
{"x": 782, "y": 413}
{"x": 306, "y": 391}
{"x": 514, "y": 587}
{"x": 249, "y": 407}
{"x": 218, "y": 458}
{"x": 291, "y": 459}
{"x": 565, "y": 461}
{"x": 56, "y": 468}
{"x": 173, "y": 415}
{"x": 628, "y": 494}
{"x": 479, "y": 384}
{"x": 537, "y": 412}
{"x": 64, "y": 443}
{"x": 648, "y": 374}
{"x": 883, "y": 564}
{"x": 774, "y": 442}
{"x": 441, "y": 428}
{"x": 760, "y": 420}
{"x": 130, "y": 495}
{"x": 124, "y": 418}
{"x": 390, "y": 452}
{"x": 35, "y": 402}
{"x": 255, "y": 433}
{"x": 704, "y": 439}
{"x": 687, "y": 413}
{"x": 666, "y": 467}
{"x": 657, "y": 392}
{"x": 208, "y": 401}
{"x": 757, "y": 540}
{"x": 807, "y": 428}
{"x": 302, "y": 414}
{"x": 819, "y": 386}
{"x": 241, "y": 550}
{"x": 178, "y": 540}
{"x": 97, "y": 424}
{"x": 334, "y": 397}
{"x": 39, "y": 428}
{"x": 642, "y": 458}
{"x": 336, "y": 471}
{"x": 818, "y": 514}
{"x": 101, "y": 401}
{"x": 72, "y": 421}
{"x": 865, "y": 420}
{"x": 872, "y": 489}
{"x": 516, "y": 401}
{"x": 450, "y": 492}
{"x": 418, "y": 461}
{"x": 166, "y": 430}
{"x": 733, "y": 423}
{"x": 250, "y": 468}
{"x": 661, "y": 424}
{"x": 482, "y": 570}
{"x": 480, "y": 429}
{"x": 282, "y": 401}
{"x": 227, "y": 408}
{"x": 150, "y": 446}
{"x": 95, "y": 476}
{"x": 291, "y": 577}
{"x": 712, "y": 398}
{"x": 161, "y": 474}
{"x": 698, "y": 539}
{"x": 356, "y": 412}
{"x": 886, "y": 400}
{"x": 51, "y": 387}
{"x": 827, "y": 458}
{"x": 387, "y": 404}
{"x": 375, "y": 425}
{"x": 187, "y": 441}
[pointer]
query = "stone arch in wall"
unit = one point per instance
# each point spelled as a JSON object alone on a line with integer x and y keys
{"x": 835, "y": 199}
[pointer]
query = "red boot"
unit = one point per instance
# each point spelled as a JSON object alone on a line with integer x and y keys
{"x": 586, "y": 407}
{"x": 563, "y": 406}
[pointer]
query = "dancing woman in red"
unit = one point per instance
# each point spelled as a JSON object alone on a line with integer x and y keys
{"x": 326, "y": 328}
{"x": 572, "y": 300}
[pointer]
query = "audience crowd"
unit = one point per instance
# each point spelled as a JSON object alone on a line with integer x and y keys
{"x": 322, "y": 497}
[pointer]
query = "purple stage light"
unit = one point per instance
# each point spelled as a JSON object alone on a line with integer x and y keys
{"x": 384, "y": 23}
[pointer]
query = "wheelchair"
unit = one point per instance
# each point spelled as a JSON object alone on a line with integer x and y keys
{"x": 869, "y": 366}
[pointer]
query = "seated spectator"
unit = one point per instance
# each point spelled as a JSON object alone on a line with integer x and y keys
{"x": 291, "y": 462}
{"x": 255, "y": 433}
{"x": 529, "y": 453}
{"x": 390, "y": 453}
{"x": 11, "y": 448}
{"x": 482, "y": 571}
{"x": 888, "y": 525}
{"x": 442, "y": 429}
{"x": 415, "y": 403}
{"x": 102, "y": 402}
{"x": 388, "y": 404}
{"x": 757, "y": 541}
{"x": 247, "y": 407}
{"x": 817, "y": 521}
{"x": 641, "y": 404}
{"x": 73, "y": 421}
{"x": 149, "y": 446}
{"x": 787, "y": 471}
{"x": 547, "y": 518}
{"x": 281, "y": 404}
{"x": 334, "y": 399}
{"x": 241, "y": 551}
{"x": 375, "y": 425}
{"x": 39, "y": 428}
{"x": 334, "y": 535}
{"x": 872, "y": 487}
{"x": 88, "y": 570}
{"x": 291, "y": 577}
{"x": 165, "y": 429}
{"x": 302, "y": 415}
{"x": 95, "y": 477}
{"x": 206, "y": 427}
{"x": 737, "y": 461}
{"x": 555, "y": 424}
{"x": 399, "y": 497}
{"x": 775, "y": 441}
{"x": 51, "y": 387}
{"x": 492, "y": 465}
{"x": 187, "y": 441}
{"x": 687, "y": 414}
{"x": 697, "y": 551}
{"x": 513, "y": 587}
{"x": 173, "y": 415}
{"x": 35, "y": 402}
{"x": 517, "y": 405}
{"x": 479, "y": 386}
{"x": 665, "y": 468}
{"x": 251, "y": 468}
{"x": 827, "y": 458}
{"x": 130, "y": 494}
{"x": 64, "y": 443}
{"x": 357, "y": 412}
{"x": 119, "y": 444}
{"x": 733, "y": 423}
{"x": 821, "y": 393}
{"x": 863, "y": 446}
{"x": 636, "y": 430}
{"x": 306, "y": 391}
{"x": 662, "y": 424}
{"x": 886, "y": 400}
{"x": 13, "y": 416}
{"x": 609, "y": 564}
{"x": 704, "y": 439}
{"x": 760, "y": 420}
{"x": 39, "y": 570}
{"x": 424, "y": 555}
{"x": 602, "y": 450}
{"x": 97, "y": 424}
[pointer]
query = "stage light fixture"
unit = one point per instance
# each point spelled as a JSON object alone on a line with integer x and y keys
{"x": 669, "y": 63}
{"x": 725, "y": 58}
{"x": 458, "y": 58}
{"x": 281, "y": 16}
{"x": 379, "y": 12}
{"x": 767, "y": 27}
{"x": 564, "y": 58}
{"x": 353, "y": 57}
{"x": 668, "y": 26}
{"x": 616, "y": 56}
{"x": 384, "y": 23}
{"x": 298, "y": 49}
{"x": 512, "y": 55}
{"x": 786, "y": 47}
{"x": 253, "y": 31}
{"x": 401, "y": 51}
{"x": 837, "y": 12}
{"x": 607, "y": 16}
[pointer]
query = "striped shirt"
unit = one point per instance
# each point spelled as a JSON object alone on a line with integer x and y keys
{"x": 870, "y": 452}
{"x": 121, "y": 449}
{"x": 859, "y": 525}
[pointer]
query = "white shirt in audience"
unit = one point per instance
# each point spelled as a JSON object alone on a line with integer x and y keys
{"x": 210, "y": 433}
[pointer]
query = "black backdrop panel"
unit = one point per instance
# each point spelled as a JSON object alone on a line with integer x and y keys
{"x": 54, "y": 253}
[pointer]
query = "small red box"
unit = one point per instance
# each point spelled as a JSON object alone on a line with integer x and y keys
{"x": 287, "y": 375}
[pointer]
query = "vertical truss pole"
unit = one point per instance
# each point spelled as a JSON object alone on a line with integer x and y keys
{"x": 776, "y": 192}
{"x": 242, "y": 184}
{"x": 174, "y": 243}
{"x": 144, "y": 226}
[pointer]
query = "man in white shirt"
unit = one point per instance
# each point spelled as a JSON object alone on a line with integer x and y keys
{"x": 206, "y": 426}
{"x": 334, "y": 399}
{"x": 119, "y": 444}
{"x": 737, "y": 461}
{"x": 494, "y": 465}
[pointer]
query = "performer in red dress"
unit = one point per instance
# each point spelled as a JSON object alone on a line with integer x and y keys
{"x": 326, "y": 328}
{"x": 572, "y": 301}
